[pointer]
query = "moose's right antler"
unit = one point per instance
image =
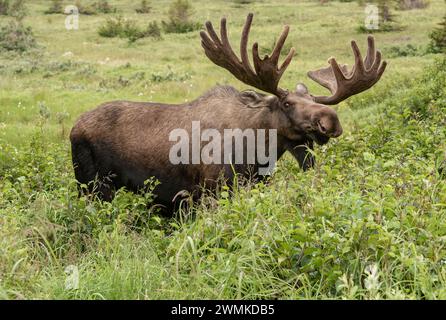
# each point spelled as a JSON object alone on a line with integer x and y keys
{"x": 267, "y": 74}
{"x": 343, "y": 83}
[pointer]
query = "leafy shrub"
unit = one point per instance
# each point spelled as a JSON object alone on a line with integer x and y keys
{"x": 408, "y": 50}
{"x": 153, "y": 30}
{"x": 14, "y": 36}
{"x": 144, "y": 7}
{"x": 412, "y": 4}
{"x": 179, "y": 13}
{"x": 125, "y": 28}
{"x": 438, "y": 38}
{"x": 14, "y": 8}
{"x": 55, "y": 8}
{"x": 101, "y": 6}
{"x": 387, "y": 21}
{"x": 169, "y": 76}
{"x": 4, "y": 7}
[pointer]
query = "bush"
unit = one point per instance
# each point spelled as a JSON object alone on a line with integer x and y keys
{"x": 387, "y": 22}
{"x": 4, "y": 7}
{"x": 408, "y": 50}
{"x": 103, "y": 6}
{"x": 55, "y": 8}
{"x": 179, "y": 18}
{"x": 125, "y": 28}
{"x": 412, "y": 4}
{"x": 14, "y": 36}
{"x": 144, "y": 7}
{"x": 438, "y": 38}
{"x": 14, "y": 9}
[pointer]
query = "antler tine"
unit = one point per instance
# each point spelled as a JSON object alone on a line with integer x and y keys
{"x": 244, "y": 44}
{"x": 342, "y": 83}
{"x": 266, "y": 73}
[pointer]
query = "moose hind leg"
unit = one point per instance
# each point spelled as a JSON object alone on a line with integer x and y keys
{"x": 87, "y": 172}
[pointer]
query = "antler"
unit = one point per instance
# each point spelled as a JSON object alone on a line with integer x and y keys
{"x": 267, "y": 74}
{"x": 343, "y": 83}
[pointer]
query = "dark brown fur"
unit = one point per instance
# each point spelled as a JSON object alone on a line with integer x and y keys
{"x": 122, "y": 143}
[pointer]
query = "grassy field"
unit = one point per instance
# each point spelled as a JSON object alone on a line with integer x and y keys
{"x": 369, "y": 222}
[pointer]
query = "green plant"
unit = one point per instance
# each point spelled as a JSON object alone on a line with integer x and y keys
{"x": 102, "y": 6}
{"x": 387, "y": 21}
{"x": 14, "y": 36}
{"x": 126, "y": 28}
{"x": 179, "y": 13}
{"x": 4, "y": 7}
{"x": 411, "y": 4}
{"x": 14, "y": 8}
{"x": 144, "y": 7}
{"x": 438, "y": 38}
{"x": 55, "y": 8}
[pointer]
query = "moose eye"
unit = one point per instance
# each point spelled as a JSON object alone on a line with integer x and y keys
{"x": 287, "y": 105}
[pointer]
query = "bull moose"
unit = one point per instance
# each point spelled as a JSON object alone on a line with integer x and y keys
{"x": 122, "y": 143}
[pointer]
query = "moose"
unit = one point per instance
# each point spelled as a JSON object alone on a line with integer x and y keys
{"x": 122, "y": 144}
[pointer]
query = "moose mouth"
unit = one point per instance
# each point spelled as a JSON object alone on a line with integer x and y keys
{"x": 319, "y": 138}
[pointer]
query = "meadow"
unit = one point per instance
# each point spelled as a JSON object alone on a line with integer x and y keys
{"x": 368, "y": 222}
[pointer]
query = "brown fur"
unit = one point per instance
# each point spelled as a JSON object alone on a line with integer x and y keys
{"x": 122, "y": 143}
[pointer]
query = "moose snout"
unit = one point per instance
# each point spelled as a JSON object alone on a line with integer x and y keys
{"x": 327, "y": 123}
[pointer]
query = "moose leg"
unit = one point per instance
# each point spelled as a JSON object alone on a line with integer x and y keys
{"x": 303, "y": 155}
{"x": 86, "y": 172}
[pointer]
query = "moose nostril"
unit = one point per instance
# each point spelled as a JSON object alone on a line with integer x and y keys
{"x": 321, "y": 127}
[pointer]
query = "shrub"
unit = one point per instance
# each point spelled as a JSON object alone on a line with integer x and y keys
{"x": 55, "y": 8}
{"x": 14, "y": 9}
{"x": 144, "y": 7}
{"x": 179, "y": 18}
{"x": 153, "y": 30}
{"x": 438, "y": 38}
{"x": 125, "y": 28}
{"x": 14, "y": 36}
{"x": 387, "y": 22}
{"x": 4, "y": 7}
{"x": 102, "y": 6}
{"x": 412, "y": 4}
{"x": 408, "y": 50}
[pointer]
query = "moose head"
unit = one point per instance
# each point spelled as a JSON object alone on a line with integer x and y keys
{"x": 299, "y": 113}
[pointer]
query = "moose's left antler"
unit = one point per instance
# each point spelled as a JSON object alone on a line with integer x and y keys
{"x": 266, "y": 73}
{"x": 343, "y": 83}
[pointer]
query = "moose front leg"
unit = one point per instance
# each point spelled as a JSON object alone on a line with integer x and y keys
{"x": 303, "y": 154}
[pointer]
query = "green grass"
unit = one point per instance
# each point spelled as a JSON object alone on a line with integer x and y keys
{"x": 368, "y": 222}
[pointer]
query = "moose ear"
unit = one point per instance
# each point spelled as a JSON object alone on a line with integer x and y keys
{"x": 254, "y": 99}
{"x": 301, "y": 89}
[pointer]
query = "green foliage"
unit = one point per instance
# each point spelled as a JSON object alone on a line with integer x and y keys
{"x": 368, "y": 222}
{"x": 387, "y": 20}
{"x": 13, "y": 8}
{"x": 180, "y": 12}
{"x": 411, "y": 4}
{"x": 14, "y": 36}
{"x": 438, "y": 38}
{"x": 100, "y": 6}
{"x": 407, "y": 50}
{"x": 55, "y": 8}
{"x": 144, "y": 7}
{"x": 126, "y": 28}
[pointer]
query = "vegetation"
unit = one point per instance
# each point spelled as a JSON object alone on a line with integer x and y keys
{"x": 55, "y": 8}
{"x": 144, "y": 7}
{"x": 179, "y": 18}
{"x": 438, "y": 38}
{"x": 14, "y": 36}
{"x": 369, "y": 222}
{"x": 125, "y": 28}
{"x": 13, "y": 8}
